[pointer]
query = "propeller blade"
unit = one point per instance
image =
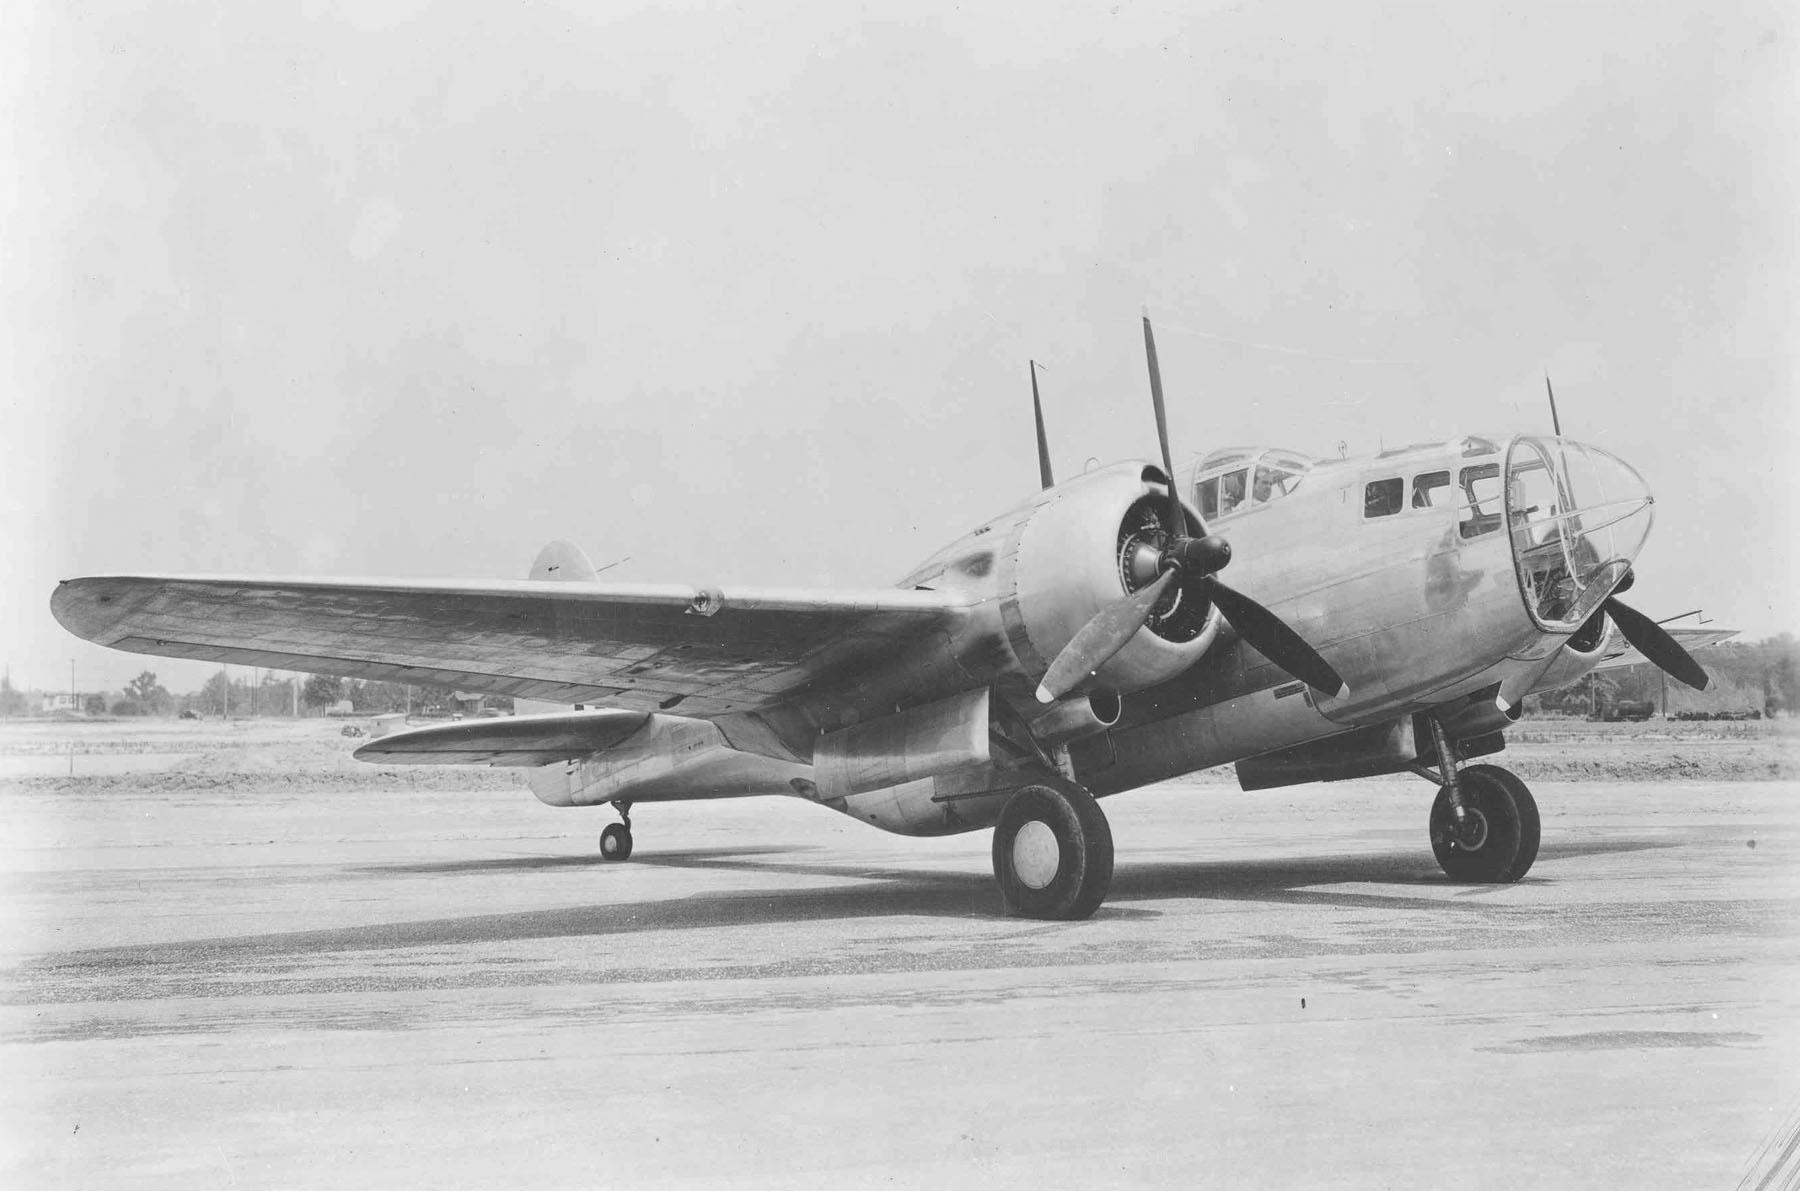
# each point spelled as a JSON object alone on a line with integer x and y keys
{"x": 1037, "y": 409}
{"x": 1271, "y": 637}
{"x": 1654, "y": 642}
{"x": 1100, "y": 638}
{"x": 1177, "y": 518}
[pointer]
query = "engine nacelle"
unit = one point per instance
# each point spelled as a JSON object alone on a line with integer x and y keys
{"x": 927, "y": 770}
{"x": 1579, "y": 655}
{"x": 1090, "y": 545}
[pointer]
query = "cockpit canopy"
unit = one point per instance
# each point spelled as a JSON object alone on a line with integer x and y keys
{"x": 1234, "y": 479}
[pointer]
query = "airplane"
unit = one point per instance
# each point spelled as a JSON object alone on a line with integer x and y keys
{"x": 1385, "y": 614}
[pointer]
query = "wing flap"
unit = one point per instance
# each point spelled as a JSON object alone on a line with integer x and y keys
{"x": 517, "y": 741}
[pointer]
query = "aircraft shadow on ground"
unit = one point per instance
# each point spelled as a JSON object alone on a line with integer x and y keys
{"x": 514, "y": 864}
{"x": 865, "y": 893}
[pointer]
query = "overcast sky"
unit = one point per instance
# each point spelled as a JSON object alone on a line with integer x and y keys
{"x": 747, "y": 295}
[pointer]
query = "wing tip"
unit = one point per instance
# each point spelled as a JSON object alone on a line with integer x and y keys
{"x": 89, "y": 606}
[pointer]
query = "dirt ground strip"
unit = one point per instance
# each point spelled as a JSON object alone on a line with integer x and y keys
{"x": 237, "y": 958}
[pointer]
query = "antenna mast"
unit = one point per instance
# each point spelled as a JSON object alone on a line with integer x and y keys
{"x": 1037, "y": 411}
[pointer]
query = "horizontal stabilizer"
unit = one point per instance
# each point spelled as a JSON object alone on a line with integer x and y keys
{"x": 524, "y": 740}
{"x": 1621, "y": 653}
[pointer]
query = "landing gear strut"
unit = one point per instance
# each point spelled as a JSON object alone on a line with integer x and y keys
{"x": 1484, "y": 821}
{"x": 615, "y": 841}
{"x": 1053, "y": 852}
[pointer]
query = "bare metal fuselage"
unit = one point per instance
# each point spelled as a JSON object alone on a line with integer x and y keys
{"x": 1413, "y": 609}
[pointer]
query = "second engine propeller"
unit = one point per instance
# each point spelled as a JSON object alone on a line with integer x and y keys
{"x": 1188, "y": 565}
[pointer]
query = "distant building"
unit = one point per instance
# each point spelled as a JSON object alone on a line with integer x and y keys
{"x": 63, "y": 702}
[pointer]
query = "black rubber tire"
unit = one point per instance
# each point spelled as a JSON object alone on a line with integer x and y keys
{"x": 1084, "y": 852}
{"x": 1510, "y": 813}
{"x": 615, "y": 842}
{"x": 1531, "y": 828}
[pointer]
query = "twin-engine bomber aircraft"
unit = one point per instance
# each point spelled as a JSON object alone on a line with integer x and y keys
{"x": 1384, "y": 614}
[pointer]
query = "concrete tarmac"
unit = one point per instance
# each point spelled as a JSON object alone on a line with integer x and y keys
{"x": 328, "y": 987}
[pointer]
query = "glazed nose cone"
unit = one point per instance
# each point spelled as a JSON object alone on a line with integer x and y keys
{"x": 1578, "y": 516}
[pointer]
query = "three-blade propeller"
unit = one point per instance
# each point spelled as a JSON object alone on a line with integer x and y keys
{"x": 1188, "y": 564}
{"x": 1652, "y": 640}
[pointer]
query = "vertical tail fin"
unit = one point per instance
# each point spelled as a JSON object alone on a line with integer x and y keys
{"x": 563, "y": 562}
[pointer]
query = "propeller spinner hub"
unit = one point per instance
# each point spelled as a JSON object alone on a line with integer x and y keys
{"x": 1198, "y": 556}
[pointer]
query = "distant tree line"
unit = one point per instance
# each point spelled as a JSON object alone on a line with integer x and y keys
{"x": 374, "y": 698}
{"x": 1753, "y": 676}
{"x": 268, "y": 695}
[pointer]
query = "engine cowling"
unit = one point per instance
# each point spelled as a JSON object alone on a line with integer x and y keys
{"x": 1580, "y": 654}
{"x": 1095, "y": 541}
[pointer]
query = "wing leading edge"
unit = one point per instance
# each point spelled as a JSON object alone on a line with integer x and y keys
{"x": 637, "y": 646}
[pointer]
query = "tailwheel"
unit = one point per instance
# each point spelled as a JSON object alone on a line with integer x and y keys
{"x": 1053, "y": 852}
{"x": 1497, "y": 840}
{"x": 615, "y": 841}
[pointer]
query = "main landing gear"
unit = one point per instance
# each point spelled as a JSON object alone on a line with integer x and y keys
{"x": 1053, "y": 852}
{"x": 1484, "y": 821}
{"x": 615, "y": 841}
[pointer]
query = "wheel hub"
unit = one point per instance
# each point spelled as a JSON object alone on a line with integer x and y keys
{"x": 1035, "y": 854}
{"x": 1472, "y": 833}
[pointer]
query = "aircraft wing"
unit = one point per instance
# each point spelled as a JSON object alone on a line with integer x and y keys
{"x": 638, "y": 646}
{"x": 1620, "y": 653}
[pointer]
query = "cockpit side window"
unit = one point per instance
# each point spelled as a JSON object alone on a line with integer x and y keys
{"x": 1430, "y": 489}
{"x": 1381, "y": 497}
{"x": 1207, "y": 497}
{"x": 1232, "y": 487}
{"x": 1482, "y": 495}
{"x": 1273, "y": 482}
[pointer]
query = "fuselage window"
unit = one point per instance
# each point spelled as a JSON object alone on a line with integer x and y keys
{"x": 1207, "y": 492}
{"x": 1382, "y": 497}
{"x": 1482, "y": 493}
{"x": 1430, "y": 489}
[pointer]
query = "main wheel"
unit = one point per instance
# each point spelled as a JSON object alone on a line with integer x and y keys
{"x": 1498, "y": 840}
{"x": 1053, "y": 852}
{"x": 615, "y": 842}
